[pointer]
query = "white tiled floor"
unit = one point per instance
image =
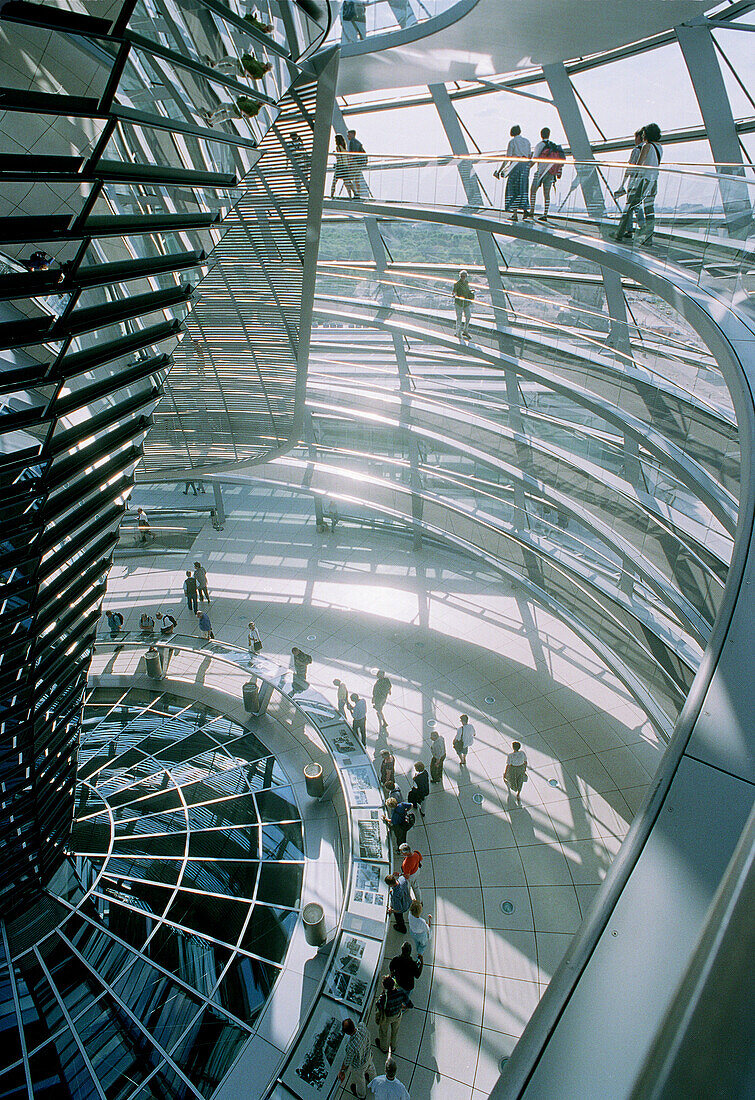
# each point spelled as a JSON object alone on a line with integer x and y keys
{"x": 448, "y": 635}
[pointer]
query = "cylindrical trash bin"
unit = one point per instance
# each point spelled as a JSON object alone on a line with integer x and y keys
{"x": 313, "y": 917}
{"x": 153, "y": 663}
{"x": 251, "y": 696}
{"x": 313, "y": 780}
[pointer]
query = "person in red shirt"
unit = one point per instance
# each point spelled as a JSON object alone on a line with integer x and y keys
{"x": 410, "y": 867}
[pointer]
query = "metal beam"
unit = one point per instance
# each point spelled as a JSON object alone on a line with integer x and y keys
{"x": 324, "y": 103}
{"x": 567, "y": 106}
{"x": 450, "y": 123}
{"x": 699, "y": 52}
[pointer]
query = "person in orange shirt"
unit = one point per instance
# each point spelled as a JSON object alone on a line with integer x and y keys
{"x": 411, "y": 864}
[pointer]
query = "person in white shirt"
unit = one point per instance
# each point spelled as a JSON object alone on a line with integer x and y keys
{"x": 516, "y": 770}
{"x": 437, "y": 756}
{"x": 254, "y": 640}
{"x": 464, "y": 738}
{"x": 419, "y": 928}
{"x": 517, "y": 165}
{"x": 642, "y": 190}
{"x": 386, "y": 1086}
{"x": 358, "y": 708}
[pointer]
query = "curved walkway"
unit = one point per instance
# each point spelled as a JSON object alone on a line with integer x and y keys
{"x": 451, "y": 637}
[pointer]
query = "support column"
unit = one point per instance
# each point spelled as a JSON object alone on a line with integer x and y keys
{"x": 565, "y": 102}
{"x": 388, "y": 296}
{"x": 450, "y": 122}
{"x": 311, "y": 441}
{"x": 219, "y": 507}
{"x": 699, "y": 52}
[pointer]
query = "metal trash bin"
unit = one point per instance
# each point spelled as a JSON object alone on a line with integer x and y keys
{"x": 154, "y": 664}
{"x": 251, "y": 696}
{"x": 313, "y": 780}
{"x": 313, "y": 918}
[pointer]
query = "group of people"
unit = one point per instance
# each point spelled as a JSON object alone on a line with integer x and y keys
{"x": 351, "y": 159}
{"x": 548, "y": 159}
{"x": 195, "y": 588}
{"x": 356, "y": 705}
{"x": 394, "y": 995}
{"x": 245, "y": 67}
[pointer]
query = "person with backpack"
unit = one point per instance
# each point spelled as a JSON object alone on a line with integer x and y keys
{"x": 643, "y": 188}
{"x": 404, "y": 969}
{"x": 190, "y": 591}
{"x": 401, "y": 819}
{"x": 400, "y": 900}
{"x": 548, "y": 159}
{"x": 389, "y": 1008}
{"x": 114, "y": 622}
{"x": 463, "y": 295}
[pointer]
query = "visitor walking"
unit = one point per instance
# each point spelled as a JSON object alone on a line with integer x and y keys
{"x": 358, "y": 1068}
{"x": 641, "y": 196}
{"x": 146, "y": 623}
{"x": 516, "y": 168}
{"x": 381, "y": 689}
{"x": 247, "y": 66}
{"x": 254, "y": 20}
{"x": 300, "y": 158}
{"x": 549, "y": 159}
{"x": 516, "y": 770}
{"x": 190, "y": 591}
{"x": 464, "y": 738}
{"x": 343, "y": 169}
{"x": 419, "y": 928}
{"x": 204, "y": 624}
{"x": 389, "y": 1008}
{"x": 358, "y": 708}
{"x": 387, "y": 770}
{"x": 143, "y": 525}
{"x": 114, "y": 622}
{"x": 399, "y": 900}
{"x": 463, "y": 295}
{"x": 200, "y": 576}
{"x": 190, "y": 485}
{"x": 358, "y": 160}
{"x": 302, "y": 661}
{"x": 437, "y": 756}
{"x": 343, "y": 696}
{"x": 421, "y": 788}
{"x": 253, "y": 640}
{"x": 404, "y": 969}
{"x": 244, "y": 107}
{"x": 388, "y": 1086}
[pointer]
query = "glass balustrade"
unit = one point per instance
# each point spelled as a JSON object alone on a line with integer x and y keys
{"x": 363, "y": 19}
{"x": 605, "y": 449}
